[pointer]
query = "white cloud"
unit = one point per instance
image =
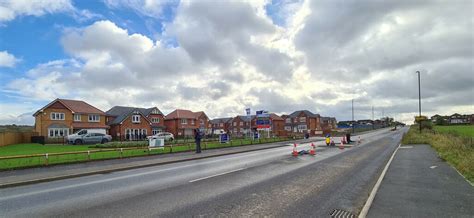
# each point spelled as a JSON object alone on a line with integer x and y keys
{"x": 9, "y": 9}
{"x": 7, "y": 59}
{"x": 230, "y": 56}
{"x": 150, "y": 8}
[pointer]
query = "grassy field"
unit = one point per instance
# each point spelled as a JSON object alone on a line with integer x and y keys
{"x": 464, "y": 130}
{"x": 457, "y": 151}
{"x": 98, "y": 153}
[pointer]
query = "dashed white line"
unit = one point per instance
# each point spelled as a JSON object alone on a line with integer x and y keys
{"x": 220, "y": 174}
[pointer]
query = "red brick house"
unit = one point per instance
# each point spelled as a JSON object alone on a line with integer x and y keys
{"x": 130, "y": 123}
{"x": 182, "y": 123}
{"x": 303, "y": 121}
{"x": 220, "y": 124}
{"x": 242, "y": 125}
{"x": 278, "y": 125}
{"x": 62, "y": 117}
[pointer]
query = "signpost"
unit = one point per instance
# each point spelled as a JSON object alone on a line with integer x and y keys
{"x": 224, "y": 138}
{"x": 263, "y": 121}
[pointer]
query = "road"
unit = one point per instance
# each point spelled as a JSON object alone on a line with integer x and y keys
{"x": 268, "y": 182}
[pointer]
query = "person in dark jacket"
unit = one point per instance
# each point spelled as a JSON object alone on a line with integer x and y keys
{"x": 197, "y": 138}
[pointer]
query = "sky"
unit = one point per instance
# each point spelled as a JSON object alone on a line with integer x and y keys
{"x": 224, "y": 56}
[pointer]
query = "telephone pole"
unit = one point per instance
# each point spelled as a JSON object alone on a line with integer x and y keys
{"x": 419, "y": 98}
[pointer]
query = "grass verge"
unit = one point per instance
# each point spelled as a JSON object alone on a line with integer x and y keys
{"x": 457, "y": 151}
{"x": 78, "y": 153}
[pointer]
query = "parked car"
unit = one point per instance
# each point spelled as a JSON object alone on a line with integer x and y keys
{"x": 89, "y": 138}
{"x": 84, "y": 132}
{"x": 164, "y": 135}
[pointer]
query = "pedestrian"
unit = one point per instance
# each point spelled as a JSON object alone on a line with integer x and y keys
{"x": 197, "y": 137}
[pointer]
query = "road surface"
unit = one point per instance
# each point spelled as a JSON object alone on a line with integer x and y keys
{"x": 261, "y": 183}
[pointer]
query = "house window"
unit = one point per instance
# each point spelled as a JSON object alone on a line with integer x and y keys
{"x": 155, "y": 131}
{"x": 57, "y": 116}
{"x": 288, "y": 128}
{"x": 57, "y": 132}
{"x": 303, "y": 119}
{"x": 155, "y": 111}
{"x": 136, "y": 119}
{"x": 234, "y": 124}
{"x": 184, "y": 121}
{"x": 192, "y": 122}
{"x": 77, "y": 117}
{"x": 155, "y": 120}
{"x": 288, "y": 120}
{"x": 201, "y": 122}
{"x": 94, "y": 118}
{"x": 144, "y": 132}
{"x": 301, "y": 128}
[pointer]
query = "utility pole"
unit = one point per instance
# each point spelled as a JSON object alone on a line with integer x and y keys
{"x": 373, "y": 121}
{"x": 353, "y": 123}
{"x": 419, "y": 98}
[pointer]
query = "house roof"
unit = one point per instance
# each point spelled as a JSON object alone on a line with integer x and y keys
{"x": 121, "y": 113}
{"x": 183, "y": 114}
{"x": 245, "y": 118}
{"x": 221, "y": 120}
{"x": 306, "y": 112}
{"x": 273, "y": 116}
{"x": 75, "y": 106}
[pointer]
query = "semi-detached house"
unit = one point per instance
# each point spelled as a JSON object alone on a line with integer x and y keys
{"x": 133, "y": 123}
{"x": 182, "y": 123}
{"x": 62, "y": 117}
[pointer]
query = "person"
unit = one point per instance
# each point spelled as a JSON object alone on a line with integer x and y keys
{"x": 328, "y": 140}
{"x": 197, "y": 137}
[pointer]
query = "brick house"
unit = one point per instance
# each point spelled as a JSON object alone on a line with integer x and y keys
{"x": 328, "y": 122}
{"x": 130, "y": 123}
{"x": 220, "y": 124}
{"x": 62, "y": 117}
{"x": 278, "y": 125}
{"x": 459, "y": 119}
{"x": 303, "y": 121}
{"x": 242, "y": 125}
{"x": 182, "y": 122}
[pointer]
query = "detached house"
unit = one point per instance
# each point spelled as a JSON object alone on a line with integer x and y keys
{"x": 182, "y": 123}
{"x": 242, "y": 125}
{"x": 130, "y": 123}
{"x": 303, "y": 121}
{"x": 62, "y": 117}
{"x": 220, "y": 124}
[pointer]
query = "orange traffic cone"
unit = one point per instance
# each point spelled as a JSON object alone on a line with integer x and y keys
{"x": 313, "y": 150}
{"x": 295, "y": 152}
{"x": 341, "y": 146}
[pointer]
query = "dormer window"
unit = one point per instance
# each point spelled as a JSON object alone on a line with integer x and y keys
{"x": 136, "y": 119}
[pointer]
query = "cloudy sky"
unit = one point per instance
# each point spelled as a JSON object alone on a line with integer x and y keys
{"x": 225, "y": 56}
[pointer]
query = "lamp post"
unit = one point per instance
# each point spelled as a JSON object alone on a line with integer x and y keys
{"x": 419, "y": 98}
{"x": 353, "y": 123}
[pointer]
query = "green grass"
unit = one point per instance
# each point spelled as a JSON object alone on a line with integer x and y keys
{"x": 457, "y": 151}
{"x": 460, "y": 130}
{"x": 104, "y": 153}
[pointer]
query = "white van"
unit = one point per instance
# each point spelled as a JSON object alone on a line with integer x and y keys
{"x": 85, "y": 131}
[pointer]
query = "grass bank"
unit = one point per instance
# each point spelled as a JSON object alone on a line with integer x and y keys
{"x": 61, "y": 154}
{"x": 456, "y": 150}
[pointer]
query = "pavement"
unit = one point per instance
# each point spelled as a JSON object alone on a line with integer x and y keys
{"x": 57, "y": 172}
{"x": 420, "y": 184}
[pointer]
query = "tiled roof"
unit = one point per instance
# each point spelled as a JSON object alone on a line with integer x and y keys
{"x": 221, "y": 120}
{"x": 179, "y": 114}
{"x": 75, "y": 106}
{"x": 306, "y": 112}
{"x": 121, "y": 113}
{"x": 275, "y": 117}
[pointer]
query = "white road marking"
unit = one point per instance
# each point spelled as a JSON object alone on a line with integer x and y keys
{"x": 220, "y": 174}
{"x": 406, "y": 147}
{"x": 369, "y": 201}
{"x": 432, "y": 167}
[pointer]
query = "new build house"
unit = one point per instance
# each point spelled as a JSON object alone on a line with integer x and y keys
{"x": 62, "y": 117}
{"x": 219, "y": 125}
{"x": 245, "y": 125}
{"x": 303, "y": 121}
{"x": 130, "y": 123}
{"x": 182, "y": 123}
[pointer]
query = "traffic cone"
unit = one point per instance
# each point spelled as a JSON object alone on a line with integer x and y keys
{"x": 295, "y": 152}
{"x": 341, "y": 146}
{"x": 313, "y": 150}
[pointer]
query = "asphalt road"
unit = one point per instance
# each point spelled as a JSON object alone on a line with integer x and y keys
{"x": 261, "y": 183}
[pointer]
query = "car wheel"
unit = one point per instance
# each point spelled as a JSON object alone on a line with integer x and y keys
{"x": 78, "y": 142}
{"x": 104, "y": 141}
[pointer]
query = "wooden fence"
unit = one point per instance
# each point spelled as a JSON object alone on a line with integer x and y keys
{"x": 8, "y": 138}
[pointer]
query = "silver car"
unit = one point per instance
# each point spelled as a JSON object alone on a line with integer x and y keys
{"x": 90, "y": 138}
{"x": 164, "y": 135}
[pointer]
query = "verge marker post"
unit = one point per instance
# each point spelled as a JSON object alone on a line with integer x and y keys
{"x": 46, "y": 159}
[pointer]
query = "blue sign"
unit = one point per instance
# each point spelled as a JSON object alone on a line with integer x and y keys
{"x": 223, "y": 138}
{"x": 247, "y": 111}
{"x": 256, "y": 135}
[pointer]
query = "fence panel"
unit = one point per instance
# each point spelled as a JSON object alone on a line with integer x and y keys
{"x": 8, "y": 138}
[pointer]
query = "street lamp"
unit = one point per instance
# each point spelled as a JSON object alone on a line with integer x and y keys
{"x": 419, "y": 98}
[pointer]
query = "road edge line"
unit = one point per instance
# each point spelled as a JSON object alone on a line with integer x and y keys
{"x": 371, "y": 198}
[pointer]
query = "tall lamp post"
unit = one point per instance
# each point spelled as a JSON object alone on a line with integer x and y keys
{"x": 353, "y": 123}
{"x": 419, "y": 98}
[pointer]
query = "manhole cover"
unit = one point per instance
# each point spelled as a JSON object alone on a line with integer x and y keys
{"x": 341, "y": 213}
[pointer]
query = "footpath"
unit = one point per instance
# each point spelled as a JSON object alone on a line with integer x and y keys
{"x": 56, "y": 172}
{"x": 419, "y": 184}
